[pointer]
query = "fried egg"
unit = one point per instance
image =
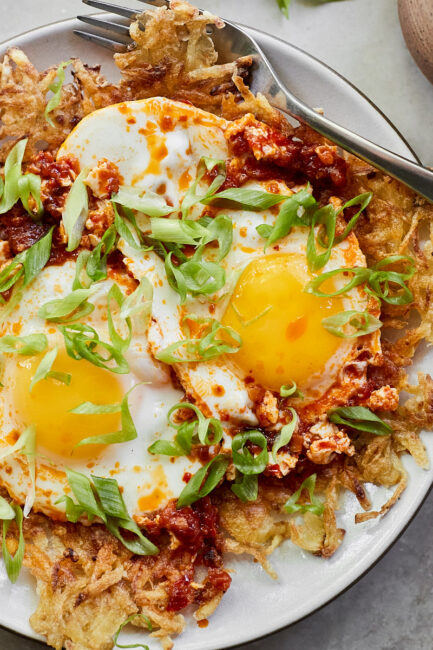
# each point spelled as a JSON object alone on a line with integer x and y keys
{"x": 283, "y": 339}
{"x": 147, "y": 481}
{"x": 156, "y": 143}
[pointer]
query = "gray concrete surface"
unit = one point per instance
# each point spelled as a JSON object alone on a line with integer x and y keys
{"x": 391, "y": 608}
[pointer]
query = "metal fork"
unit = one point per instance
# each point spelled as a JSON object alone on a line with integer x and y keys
{"x": 232, "y": 42}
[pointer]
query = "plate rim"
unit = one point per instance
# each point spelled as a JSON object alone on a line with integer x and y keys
{"x": 9, "y": 42}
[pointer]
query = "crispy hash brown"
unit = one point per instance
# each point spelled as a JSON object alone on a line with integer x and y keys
{"x": 87, "y": 581}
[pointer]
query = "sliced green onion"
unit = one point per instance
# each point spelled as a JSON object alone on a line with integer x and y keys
{"x": 128, "y": 620}
{"x": 89, "y": 408}
{"x": 139, "y": 301}
{"x": 243, "y": 459}
{"x": 177, "y": 231}
{"x": 203, "y": 349}
{"x": 76, "y": 210}
{"x": 44, "y": 368}
{"x": 290, "y": 391}
{"x": 362, "y": 200}
{"x": 204, "y": 481}
{"x": 71, "y": 307}
{"x": 192, "y": 196}
{"x": 144, "y": 201}
{"x": 206, "y": 431}
{"x": 83, "y": 342}
{"x": 360, "y": 418}
{"x": 121, "y": 344}
{"x": 29, "y": 185}
{"x": 6, "y": 510}
{"x": 56, "y": 88}
{"x": 12, "y": 172}
{"x": 379, "y": 280}
{"x": 244, "y": 198}
{"x": 24, "y": 345}
{"x": 14, "y": 563}
{"x": 360, "y": 323}
{"x": 34, "y": 258}
{"x": 247, "y": 323}
{"x": 132, "y": 236}
{"x": 82, "y": 490}
{"x": 80, "y": 265}
{"x": 246, "y": 487}
{"x": 118, "y": 518}
{"x": 195, "y": 276}
{"x": 285, "y": 435}
{"x": 359, "y": 276}
{"x": 96, "y": 266}
{"x": 287, "y": 217}
{"x": 325, "y": 216}
{"x": 315, "y": 506}
{"x": 127, "y": 431}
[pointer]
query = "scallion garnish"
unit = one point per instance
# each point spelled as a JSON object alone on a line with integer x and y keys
{"x": 208, "y": 346}
{"x": 6, "y": 510}
{"x": 96, "y": 265}
{"x": 246, "y": 487}
{"x": 127, "y": 432}
{"x": 24, "y": 345}
{"x": 132, "y": 235}
{"x": 285, "y": 435}
{"x": 43, "y": 371}
{"x": 29, "y": 185}
{"x": 121, "y": 344}
{"x": 13, "y": 563}
{"x": 360, "y": 418}
{"x": 327, "y": 217}
{"x": 243, "y": 459}
{"x": 195, "y": 276}
{"x": 83, "y": 342}
{"x": 388, "y": 286}
{"x": 247, "y": 199}
{"x": 192, "y": 196}
{"x": 248, "y": 465}
{"x": 56, "y": 88}
{"x": 351, "y": 324}
{"x": 139, "y": 301}
{"x": 288, "y": 216}
{"x": 315, "y": 506}
{"x": 144, "y": 201}
{"x": 290, "y": 391}
{"x": 206, "y": 431}
{"x": 75, "y": 211}
{"x": 204, "y": 481}
{"x": 18, "y": 185}
{"x": 103, "y": 499}
{"x": 28, "y": 264}
{"x": 122, "y": 625}
{"x": 70, "y": 308}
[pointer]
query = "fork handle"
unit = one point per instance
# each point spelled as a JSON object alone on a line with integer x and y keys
{"x": 415, "y": 176}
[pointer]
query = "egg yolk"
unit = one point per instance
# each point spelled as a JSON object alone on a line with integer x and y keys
{"x": 283, "y": 339}
{"x": 49, "y": 403}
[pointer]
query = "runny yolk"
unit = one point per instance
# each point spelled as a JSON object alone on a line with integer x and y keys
{"x": 48, "y": 404}
{"x": 281, "y": 326}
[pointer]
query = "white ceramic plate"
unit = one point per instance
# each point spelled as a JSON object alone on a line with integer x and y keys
{"x": 255, "y": 605}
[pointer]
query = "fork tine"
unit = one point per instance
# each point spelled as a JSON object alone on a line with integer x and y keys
{"x": 108, "y": 43}
{"x": 113, "y": 9}
{"x": 105, "y": 24}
